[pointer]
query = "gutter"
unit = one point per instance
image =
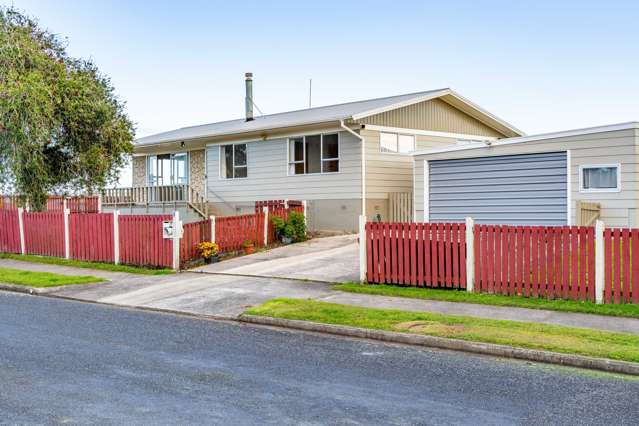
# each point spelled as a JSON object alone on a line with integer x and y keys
{"x": 363, "y": 153}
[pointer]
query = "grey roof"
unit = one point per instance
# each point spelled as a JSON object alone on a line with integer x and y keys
{"x": 284, "y": 119}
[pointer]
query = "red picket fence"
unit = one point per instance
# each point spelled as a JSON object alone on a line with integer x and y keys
{"x": 194, "y": 234}
{"x": 9, "y": 232}
{"x": 417, "y": 254}
{"x": 55, "y": 203}
{"x": 141, "y": 241}
{"x": 552, "y": 262}
{"x": 91, "y": 237}
{"x": 231, "y": 232}
{"x": 621, "y": 271}
{"x": 44, "y": 233}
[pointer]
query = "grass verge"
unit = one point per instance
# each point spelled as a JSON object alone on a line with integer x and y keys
{"x": 626, "y": 310}
{"x": 43, "y": 279}
{"x": 85, "y": 264}
{"x": 555, "y": 338}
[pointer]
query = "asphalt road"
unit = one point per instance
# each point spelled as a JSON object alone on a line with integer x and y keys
{"x": 73, "y": 362}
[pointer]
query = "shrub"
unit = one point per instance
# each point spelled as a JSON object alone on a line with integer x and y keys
{"x": 296, "y": 226}
{"x": 208, "y": 249}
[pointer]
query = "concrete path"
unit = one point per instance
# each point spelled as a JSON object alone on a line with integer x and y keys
{"x": 329, "y": 259}
{"x": 229, "y": 296}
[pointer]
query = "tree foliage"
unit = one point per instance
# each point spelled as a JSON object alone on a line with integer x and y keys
{"x": 62, "y": 128}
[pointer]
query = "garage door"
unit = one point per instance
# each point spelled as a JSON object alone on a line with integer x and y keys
{"x": 527, "y": 189}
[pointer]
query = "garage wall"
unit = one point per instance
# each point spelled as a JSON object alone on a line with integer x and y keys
{"x": 520, "y": 189}
{"x": 619, "y": 146}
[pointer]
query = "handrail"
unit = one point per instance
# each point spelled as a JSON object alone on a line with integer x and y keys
{"x": 148, "y": 195}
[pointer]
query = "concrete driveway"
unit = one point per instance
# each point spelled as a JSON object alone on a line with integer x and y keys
{"x": 329, "y": 259}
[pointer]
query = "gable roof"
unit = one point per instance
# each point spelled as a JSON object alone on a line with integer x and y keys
{"x": 346, "y": 111}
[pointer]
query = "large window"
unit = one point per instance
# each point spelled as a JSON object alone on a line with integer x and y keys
{"x": 233, "y": 161}
{"x": 395, "y": 142}
{"x": 600, "y": 178}
{"x": 313, "y": 154}
{"x": 168, "y": 169}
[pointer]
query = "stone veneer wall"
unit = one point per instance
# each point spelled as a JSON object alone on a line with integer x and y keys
{"x": 139, "y": 171}
{"x": 197, "y": 175}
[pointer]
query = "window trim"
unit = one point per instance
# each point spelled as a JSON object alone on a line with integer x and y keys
{"x": 582, "y": 167}
{"x": 221, "y": 159}
{"x": 398, "y": 134}
{"x": 322, "y": 160}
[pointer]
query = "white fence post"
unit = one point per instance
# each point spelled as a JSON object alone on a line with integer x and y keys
{"x": 305, "y": 214}
{"x": 23, "y": 247}
{"x": 65, "y": 204}
{"x": 177, "y": 231}
{"x": 100, "y": 203}
{"x": 599, "y": 262}
{"x": 212, "y": 223}
{"x": 362, "y": 248}
{"x": 116, "y": 237}
{"x": 470, "y": 254}
{"x": 67, "y": 238}
{"x": 265, "y": 210}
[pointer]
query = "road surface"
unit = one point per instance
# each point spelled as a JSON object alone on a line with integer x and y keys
{"x": 72, "y": 362}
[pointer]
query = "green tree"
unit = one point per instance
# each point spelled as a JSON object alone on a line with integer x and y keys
{"x": 62, "y": 128}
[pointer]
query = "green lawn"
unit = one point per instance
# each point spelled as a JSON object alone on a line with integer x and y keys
{"x": 86, "y": 265}
{"x": 43, "y": 279}
{"x": 625, "y": 310}
{"x": 569, "y": 340}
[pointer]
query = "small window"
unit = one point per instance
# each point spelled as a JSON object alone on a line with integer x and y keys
{"x": 313, "y": 154}
{"x": 600, "y": 178}
{"x": 233, "y": 161}
{"x": 394, "y": 142}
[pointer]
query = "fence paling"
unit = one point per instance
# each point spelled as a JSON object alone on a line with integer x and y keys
{"x": 9, "y": 232}
{"x": 91, "y": 236}
{"x": 194, "y": 234}
{"x": 231, "y": 232}
{"x": 431, "y": 255}
{"x": 44, "y": 233}
{"x": 621, "y": 271}
{"x": 141, "y": 241}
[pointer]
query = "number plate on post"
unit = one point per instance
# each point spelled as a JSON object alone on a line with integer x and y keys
{"x": 167, "y": 229}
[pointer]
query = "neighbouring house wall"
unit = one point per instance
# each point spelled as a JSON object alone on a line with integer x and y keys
{"x": 618, "y": 208}
{"x": 139, "y": 171}
{"x": 435, "y": 115}
{"x": 334, "y": 198}
{"x": 197, "y": 175}
{"x": 390, "y": 172}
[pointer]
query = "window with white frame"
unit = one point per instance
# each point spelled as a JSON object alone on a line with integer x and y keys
{"x": 313, "y": 154}
{"x": 233, "y": 161}
{"x": 600, "y": 178}
{"x": 396, "y": 142}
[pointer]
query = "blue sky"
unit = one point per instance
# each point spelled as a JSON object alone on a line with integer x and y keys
{"x": 542, "y": 66}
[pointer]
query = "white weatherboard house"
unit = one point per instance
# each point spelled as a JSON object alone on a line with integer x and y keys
{"x": 344, "y": 160}
{"x": 533, "y": 180}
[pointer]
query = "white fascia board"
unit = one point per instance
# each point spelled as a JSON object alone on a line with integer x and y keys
{"x": 402, "y": 104}
{"x": 403, "y": 130}
{"x": 540, "y": 137}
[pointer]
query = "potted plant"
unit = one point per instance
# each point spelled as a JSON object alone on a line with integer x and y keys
{"x": 209, "y": 251}
{"x": 249, "y": 247}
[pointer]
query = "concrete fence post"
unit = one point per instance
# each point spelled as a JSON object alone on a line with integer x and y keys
{"x": 362, "y": 249}
{"x": 212, "y": 223}
{"x": 116, "y": 237}
{"x": 67, "y": 237}
{"x": 177, "y": 231}
{"x": 470, "y": 254}
{"x": 65, "y": 204}
{"x": 304, "y": 207}
{"x": 23, "y": 246}
{"x": 265, "y": 210}
{"x": 599, "y": 262}
{"x": 100, "y": 203}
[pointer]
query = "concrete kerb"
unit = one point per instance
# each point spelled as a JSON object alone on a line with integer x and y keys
{"x": 579, "y": 361}
{"x": 503, "y": 351}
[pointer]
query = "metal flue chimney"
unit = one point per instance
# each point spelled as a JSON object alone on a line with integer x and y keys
{"x": 248, "y": 105}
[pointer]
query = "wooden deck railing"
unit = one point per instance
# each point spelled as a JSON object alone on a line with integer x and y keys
{"x": 156, "y": 195}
